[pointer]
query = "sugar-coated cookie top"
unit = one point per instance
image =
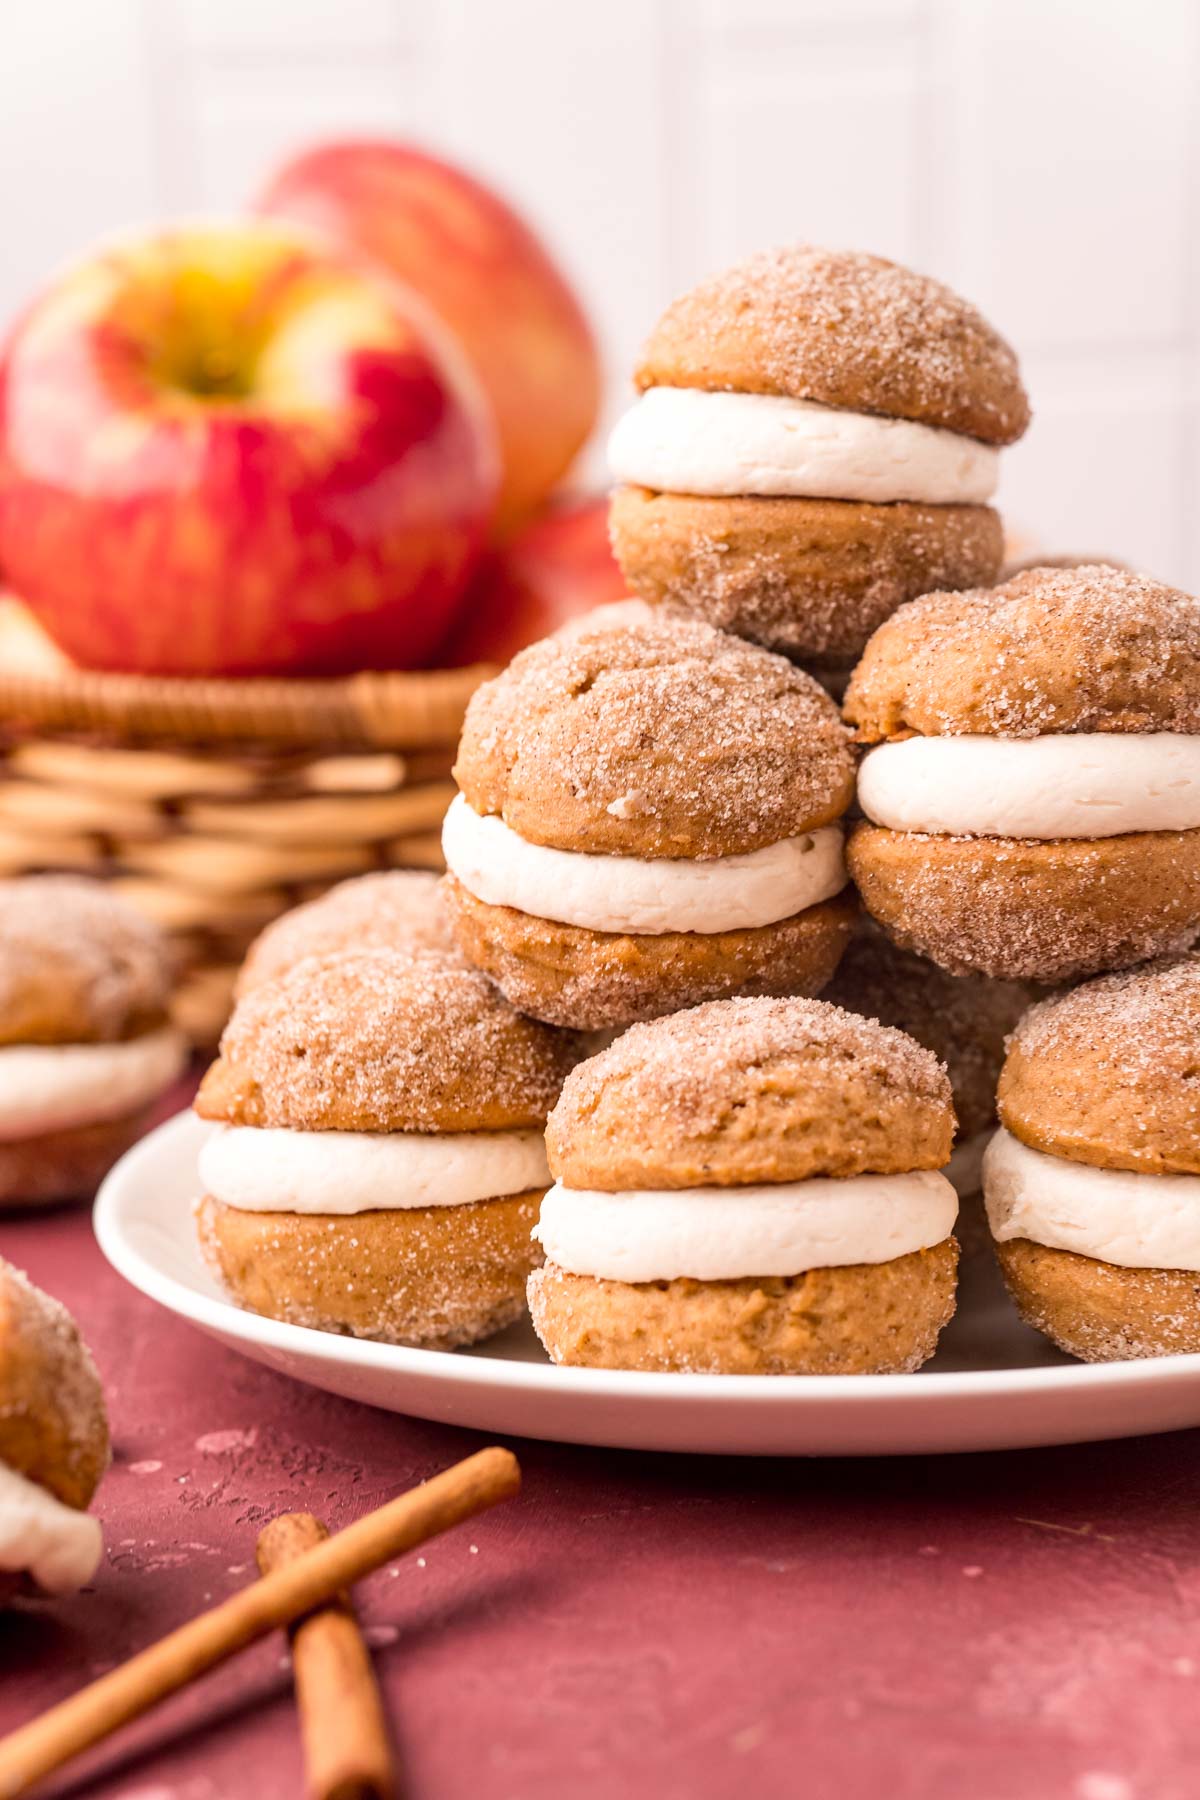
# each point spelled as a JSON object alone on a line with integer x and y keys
{"x": 396, "y": 909}
{"x": 1053, "y": 650}
{"x": 738, "y": 1092}
{"x": 844, "y": 329}
{"x": 640, "y": 731}
{"x": 77, "y": 964}
{"x": 1109, "y": 1073}
{"x": 384, "y": 1040}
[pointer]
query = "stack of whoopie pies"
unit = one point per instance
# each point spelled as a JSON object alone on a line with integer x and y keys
{"x": 605, "y": 1024}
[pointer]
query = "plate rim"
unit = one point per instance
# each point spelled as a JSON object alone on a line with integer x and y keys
{"x": 222, "y": 1316}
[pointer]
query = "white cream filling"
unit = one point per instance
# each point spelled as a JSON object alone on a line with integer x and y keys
{"x": 39, "y": 1536}
{"x": 261, "y": 1170}
{"x": 647, "y": 895}
{"x": 720, "y": 1234}
{"x": 52, "y": 1087}
{"x": 1072, "y": 785}
{"x": 1113, "y": 1215}
{"x": 690, "y": 441}
{"x": 964, "y": 1171}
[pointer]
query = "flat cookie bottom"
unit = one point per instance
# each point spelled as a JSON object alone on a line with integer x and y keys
{"x": 810, "y": 578}
{"x": 1097, "y": 1311}
{"x": 594, "y": 980}
{"x": 66, "y": 1165}
{"x": 1028, "y": 910}
{"x": 434, "y": 1277}
{"x": 866, "y": 1319}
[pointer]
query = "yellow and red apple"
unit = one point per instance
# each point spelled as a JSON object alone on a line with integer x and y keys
{"x": 485, "y": 274}
{"x": 233, "y": 449}
{"x": 554, "y": 569}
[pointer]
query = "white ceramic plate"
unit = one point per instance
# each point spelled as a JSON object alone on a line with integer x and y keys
{"x": 993, "y": 1386}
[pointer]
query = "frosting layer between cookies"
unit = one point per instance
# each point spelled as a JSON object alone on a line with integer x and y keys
{"x": 723, "y": 1234}
{"x": 257, "y": 1169}
{"x": 51, "y": 1087}
{"x": 635, "y": 894}
{"x": 1071, "y": 785}
{"x": 39, "y": 1536}
{"x": 1112, "y": 1215}
{"x": 692, "y": 441}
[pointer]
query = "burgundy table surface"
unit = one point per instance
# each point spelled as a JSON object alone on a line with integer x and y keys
{"x": 633, "y": 1625}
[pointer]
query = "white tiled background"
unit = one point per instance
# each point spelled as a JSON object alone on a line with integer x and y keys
{"x": 1041, "y": 155}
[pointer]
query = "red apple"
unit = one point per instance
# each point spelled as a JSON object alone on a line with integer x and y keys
{"x": 484, "y": 273}
{"x": 559, "y": 566}
{"x": 231, "y": 449}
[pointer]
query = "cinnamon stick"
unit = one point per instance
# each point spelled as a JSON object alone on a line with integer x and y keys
{"x": 347, "y": 1750}
{"x": 36, "y": 1749}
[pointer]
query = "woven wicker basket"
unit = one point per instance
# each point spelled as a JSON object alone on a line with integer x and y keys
{"x": 216, "y": 805}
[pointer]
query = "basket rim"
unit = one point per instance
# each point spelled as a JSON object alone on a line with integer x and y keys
{"x": 374, "y": 709}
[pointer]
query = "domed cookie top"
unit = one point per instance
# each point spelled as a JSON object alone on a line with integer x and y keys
{"x": 646, "y": 733}
{"x": 739, "y": 1092}
{"x": 396, "y": 909}
{"x": 963, "y": 1019}
{"x": 77, "y": 964}
{"x": 1052, "y": 650}
{"x": 1109, "y": 1073}
{"x": 843, "y": 329}
{"x": 384, "y": 1040}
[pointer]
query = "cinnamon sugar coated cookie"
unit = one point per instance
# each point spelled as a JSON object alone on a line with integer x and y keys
{"x": 750, "y": 1187}
{"x": 434, "y": 1276}
{"x": 746, "y": 1091}
{"x": 1032, "y": 790}
{"x": 1098, "y": 1311}
{"x": 599, "y": 979}
{"x": 810, "y": 578}
{"x": 847, "y": 330}
{"x": 76, "y": 965}
{"x": 85, "y": 1049}
{"x": 815, "y": 443}
{"x": 1017, "y": 909}
{"x": 383, "y": 1041}
{"x": 871, "y": 1319}
{"x": 650, "y": 734}
{"x": 380, "y": 1155}
{"x": 1108, "y": 1073}
{"x": 1084, "y": 649}
{"x": 648, "y": 818}
{"x": 54, "y": 1444}
{"x": 1093, "y": 1183}
{"x": 398, "y": 908}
